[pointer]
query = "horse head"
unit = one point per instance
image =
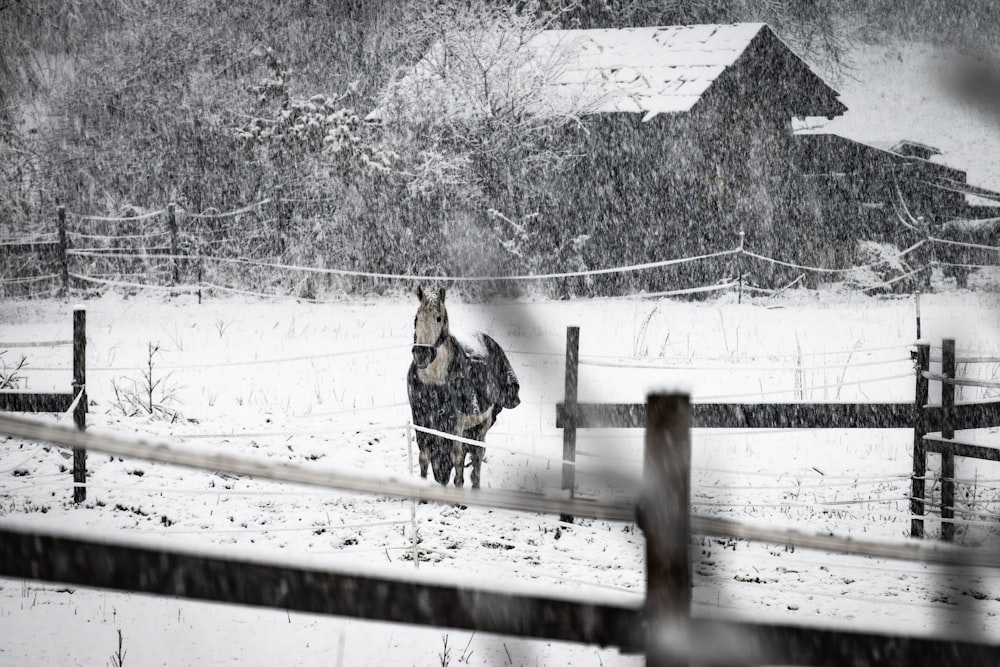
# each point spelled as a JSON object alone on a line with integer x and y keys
{"x": 430, "y": 327}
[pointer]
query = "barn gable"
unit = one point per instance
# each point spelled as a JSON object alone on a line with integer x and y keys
{"x": 776, "y": 79}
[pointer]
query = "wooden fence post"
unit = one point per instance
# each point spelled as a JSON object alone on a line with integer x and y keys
{"x": 665, "y": 518}
{"x": 569, "y": 401}
{"x": 80, "y": 411}
{"x": 739, "y": 264}
{"x": 947, "y": 431}
{"x": 63, "y": 249}
{"x": 174, "y": 244}
{"x": 918, "y": 482}
{"x": 201, "y": 275}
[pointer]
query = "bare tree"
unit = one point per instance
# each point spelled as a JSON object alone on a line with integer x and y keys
{"x": 479, "y": 119}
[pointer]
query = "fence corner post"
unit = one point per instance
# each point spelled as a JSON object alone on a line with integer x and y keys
{"x": 918, "y": 482}
{"x": 569, "y": 404}
{"x": 664, "y": 515}
{"x": 63, "y": 249}
{"x": 80, "y": 411}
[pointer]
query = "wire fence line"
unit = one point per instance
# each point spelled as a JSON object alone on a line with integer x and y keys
{"x": 262, "y": 362}
{"x": 977, "y": 246}
{"x": 28, "y": 279}
{"x": 35, "y": 343}
{"x": 128, "y": 218}
{"x": 676, "y": 292}
{"x": 179, "y": 289}
{"x": 992, "y": 359}
{"x": 175, "y": 254}
{"x": 524, "y": 277}
{"x": 227, "y": 214}
{"x": 585, "y": 361}
{"x": 965, "y": 266}
{"x": 803, "y": 389}
{"x": 466, "y": 279}
{"x": 204, "y": 286}
{"x": 118, "y": 237}
{"x": 154, "y": 253}
{"x": 763, "y": 355}
{"x": 796, "y": 485}
{"x": 750, "y": 504}
{"x": 961, "y": 382}
{"x": 817, "y": 269}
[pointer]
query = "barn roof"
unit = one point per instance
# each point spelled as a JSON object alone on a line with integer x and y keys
{"x": 647, "y": 70}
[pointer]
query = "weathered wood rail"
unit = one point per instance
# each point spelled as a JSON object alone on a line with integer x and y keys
{"x": 662, "y": 627}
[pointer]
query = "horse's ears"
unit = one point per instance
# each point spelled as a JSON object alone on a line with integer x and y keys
{"x": 420, "y": 293}
{"x": 441, "y": 295}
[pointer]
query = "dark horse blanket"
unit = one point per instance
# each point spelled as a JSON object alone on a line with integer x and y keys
{"x": 477, "y": 377}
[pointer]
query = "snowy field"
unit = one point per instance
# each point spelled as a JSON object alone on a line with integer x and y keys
{"x": 323, "y": 385}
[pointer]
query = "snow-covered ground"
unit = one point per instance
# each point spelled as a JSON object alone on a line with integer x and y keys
{"x": 323, "y": 385}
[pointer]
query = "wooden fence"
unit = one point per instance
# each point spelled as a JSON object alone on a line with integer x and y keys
{"x": 75, "y": 400}
{"x": 933, "y": 425}
{"x": 662, "y": 627}
{"x": 178, "y": 251}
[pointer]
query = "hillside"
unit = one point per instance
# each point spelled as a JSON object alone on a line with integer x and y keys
{"x": 219, "y": 106}
{"x": 137, "y": 103}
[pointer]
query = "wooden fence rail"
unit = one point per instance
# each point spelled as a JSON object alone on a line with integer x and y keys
{"x": 662, "y": 627}
{"x": 117, "y": 565}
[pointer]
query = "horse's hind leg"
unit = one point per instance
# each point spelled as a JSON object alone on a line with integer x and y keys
{"x": 458, "y": 461}
{"x": 479, "y": 432}
{"x": 477, "y": 462}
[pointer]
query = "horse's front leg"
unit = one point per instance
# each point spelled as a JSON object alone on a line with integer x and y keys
{"x": 458, "y": 462}
{"x": 477, "y": 461}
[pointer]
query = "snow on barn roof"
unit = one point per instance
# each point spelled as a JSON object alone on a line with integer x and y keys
{"x": 648, "y": 70}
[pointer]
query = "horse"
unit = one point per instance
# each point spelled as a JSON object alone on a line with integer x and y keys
{"x": 457, "y": 387}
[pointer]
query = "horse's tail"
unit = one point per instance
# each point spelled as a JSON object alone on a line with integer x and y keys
{"x": 503, "y": 373}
